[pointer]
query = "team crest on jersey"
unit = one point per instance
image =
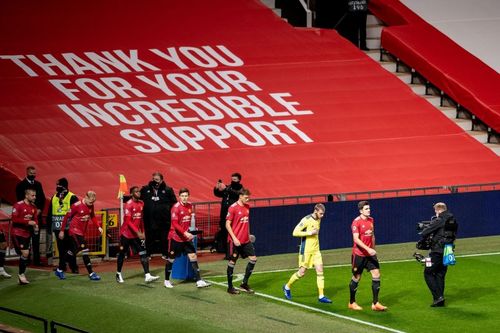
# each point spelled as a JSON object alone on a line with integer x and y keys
{"x": 354, "y": 228}
{"x": 82, "y": 246}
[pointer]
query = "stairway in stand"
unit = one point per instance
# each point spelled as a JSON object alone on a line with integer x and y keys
{"x": 422, "y": 88}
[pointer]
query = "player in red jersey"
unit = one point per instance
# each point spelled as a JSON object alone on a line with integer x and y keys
{"x": 81, "y": 214}
{"x": 364, "y": 256}
{"x": 238, "y": 228}
{"x": 180, "y": 239}
{"x": 132, "y": 235}
{"x": 24, "y": 216}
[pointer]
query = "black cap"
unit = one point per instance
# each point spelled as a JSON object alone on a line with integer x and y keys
{"x": 63, "y": 182}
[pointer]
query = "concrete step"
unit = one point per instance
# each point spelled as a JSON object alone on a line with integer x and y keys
{"x": 448, "y": 111}
{"x": 405, "y": 77}
{"x": 418, "y": 89}
{"x": 373, "y": 43}
{"x": 434, "y": 100}
{"x": 495, "y": 147}
{"x": 481, "y": 136}
{"x": 269, "y": 3}
{"x": 373, "y": 31}
{"x": 465, "y": 124}
{"x": 372, "y": 19}
{"x": 389, "y": 65}
{"x": 374, "y": 54}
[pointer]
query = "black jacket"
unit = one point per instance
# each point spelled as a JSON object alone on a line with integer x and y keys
{"x": 229, "y": 195}
{"x": 442, "y": 230}
{"x": 157, "y": 205}
{"x": 23, "y": 185}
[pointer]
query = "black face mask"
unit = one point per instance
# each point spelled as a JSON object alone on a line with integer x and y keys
{"x": 156, "y": 184}
{"x": 236, "y": 185}
{"x": 60, "y": 189}
{"x": 30, "y": 178}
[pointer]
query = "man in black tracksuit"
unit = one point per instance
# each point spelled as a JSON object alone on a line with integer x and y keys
{"x": 158, "y": 199}
{"x": 441, "y": 231}
{"x": 229, "y": 194}
{"x": 30, "y": 183}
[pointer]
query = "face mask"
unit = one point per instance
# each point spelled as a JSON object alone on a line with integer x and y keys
{"x": 156, "y": 184}
{"x": 31, "y": 178}
{"x": 60, "y": 189}
{"x": 235, "y": 184}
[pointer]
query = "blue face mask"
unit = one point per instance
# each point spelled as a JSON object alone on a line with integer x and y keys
{"x": 31, "y": 178}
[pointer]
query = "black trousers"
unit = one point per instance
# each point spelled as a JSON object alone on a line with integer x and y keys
{"x": 156, "y": 239}
{"x": 35, "y": 248}
{"x": 435, "y": 275}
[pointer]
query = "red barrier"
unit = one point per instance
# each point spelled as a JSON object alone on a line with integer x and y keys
{"x": 462, "y": 76}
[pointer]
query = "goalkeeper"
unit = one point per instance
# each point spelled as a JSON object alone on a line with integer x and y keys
{"x": 309, "y": 254}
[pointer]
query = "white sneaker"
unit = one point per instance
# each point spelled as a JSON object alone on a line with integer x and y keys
{"x": 202, "y": 284}
{"x": 119, "y": 278}
{"x": 150, "y": 278}
{"x": 4, "y": 273}
{"x": 168, "y": 284}
{"x": 23, "y": 279}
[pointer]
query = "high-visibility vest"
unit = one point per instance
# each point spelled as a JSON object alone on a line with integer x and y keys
{"x": 59, "y": 209}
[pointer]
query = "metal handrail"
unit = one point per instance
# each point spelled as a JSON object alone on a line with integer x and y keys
{"x": 309, "y": 15}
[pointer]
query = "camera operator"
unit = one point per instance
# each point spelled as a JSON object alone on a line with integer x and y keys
{"x": 229, "y": 194}
{"x": 440, "y": 231}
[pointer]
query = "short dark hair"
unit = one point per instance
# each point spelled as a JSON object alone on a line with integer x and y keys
{"x": 363, "y": 203}
{"x": 28, "y": 168}
{"x": 236, "y": 174}
{"x": 157, "y": 173}
{"x": 183, "y": 190}
{"x": 244, "y": 191}
{"x": 29, "y": 189}
{"x": 133, "y": 188}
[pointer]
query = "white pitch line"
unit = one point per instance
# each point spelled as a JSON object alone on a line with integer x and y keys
{"x": 317, "y": 310}
{"x": 382, "y": 262}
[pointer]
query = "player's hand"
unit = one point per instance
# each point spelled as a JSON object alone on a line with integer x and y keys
{"x": 31, "y": 222}
{"x": 141, "y": 235}
{"x": 222, "y": 186}
{"x": 61, "y": 235}
{"x": 100, "y": 230}
{"x": 372, "y": 252}
{"x": 188, "y": 235}
{"x": 237, "y": 242}
{"x": 314, "y": 232}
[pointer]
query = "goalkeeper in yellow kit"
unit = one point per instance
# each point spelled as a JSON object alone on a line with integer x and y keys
{"x": 309, "y": 255}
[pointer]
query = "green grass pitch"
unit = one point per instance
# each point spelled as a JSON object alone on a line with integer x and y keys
{"x": 472, "y": 296}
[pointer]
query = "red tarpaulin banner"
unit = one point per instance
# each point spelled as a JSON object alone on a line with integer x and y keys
{"x": 201, "y": 89}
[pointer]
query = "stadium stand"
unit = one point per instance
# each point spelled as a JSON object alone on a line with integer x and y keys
{"x": 447, "y": 65}
{"x": 296, "y": 111}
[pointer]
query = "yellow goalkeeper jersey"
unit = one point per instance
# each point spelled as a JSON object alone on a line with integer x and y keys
{"x": 309, "y": 243}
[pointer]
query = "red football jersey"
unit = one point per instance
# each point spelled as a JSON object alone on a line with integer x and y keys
{"x": 365, "y": 230}
{"x": 80, "y": 215}
{"x": 22, "y": 213}
{"x": 132, "y": 220}
{"x": 181, "y": 221}
{"x": 240, "y": 218}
